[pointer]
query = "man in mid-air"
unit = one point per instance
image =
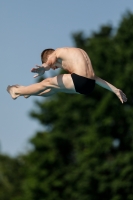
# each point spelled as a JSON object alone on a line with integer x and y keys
{"x": 80, "y": 78}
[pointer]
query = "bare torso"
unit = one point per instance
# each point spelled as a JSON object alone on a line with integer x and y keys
{"x": 75, "y": 60}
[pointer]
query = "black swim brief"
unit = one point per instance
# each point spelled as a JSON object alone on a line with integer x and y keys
{"x": 82, "y": 84}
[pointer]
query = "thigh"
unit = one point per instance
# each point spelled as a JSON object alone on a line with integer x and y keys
{"x": 63, "y": 83}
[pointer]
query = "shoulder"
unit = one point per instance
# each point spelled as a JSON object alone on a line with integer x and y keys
{"x": 62, "y": 51}
{"x": 59, "y": 52}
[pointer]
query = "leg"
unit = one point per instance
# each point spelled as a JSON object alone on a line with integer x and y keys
{"x": 16, "y": 90}
{"x": 46, "y": 93}
{"x": 58, "y": 83}
{"x": 112, "y": 88}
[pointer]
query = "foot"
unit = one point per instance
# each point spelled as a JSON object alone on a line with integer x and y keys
{"x": 11, "y": 91}
{"x": 121, "y": 96}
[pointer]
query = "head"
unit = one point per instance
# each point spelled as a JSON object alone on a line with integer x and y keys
{"x": 45, "y": 53}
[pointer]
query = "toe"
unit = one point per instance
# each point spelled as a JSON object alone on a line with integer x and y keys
{"x": 8, "y": 88}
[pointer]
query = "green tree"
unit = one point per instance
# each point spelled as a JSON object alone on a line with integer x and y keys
{"x": 11, "y": 175}
{"x": 86, "y": 148}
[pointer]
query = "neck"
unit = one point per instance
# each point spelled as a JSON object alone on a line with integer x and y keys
{"x": 59, "y": 62}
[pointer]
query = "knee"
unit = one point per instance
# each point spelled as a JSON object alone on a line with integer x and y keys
{"x": 46, "y": 82}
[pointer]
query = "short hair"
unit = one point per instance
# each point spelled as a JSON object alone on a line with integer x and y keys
{"x": 45, "y": 53}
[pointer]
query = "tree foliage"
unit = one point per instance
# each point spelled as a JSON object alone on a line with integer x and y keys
{"x": 11, "y": 176}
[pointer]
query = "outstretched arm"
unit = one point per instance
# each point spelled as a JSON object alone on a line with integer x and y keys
{"x": 40, "y": 70}
{"x": 112, "y": 88}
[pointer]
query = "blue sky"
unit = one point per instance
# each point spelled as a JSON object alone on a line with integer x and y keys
{"x": 26, "y": 28}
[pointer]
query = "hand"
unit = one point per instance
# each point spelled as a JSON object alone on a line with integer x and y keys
{"x": 121, "y": 96}
{"x": 39, "y": 70}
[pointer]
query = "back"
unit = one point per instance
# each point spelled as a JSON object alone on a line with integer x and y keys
{"x": 75, "y": 60}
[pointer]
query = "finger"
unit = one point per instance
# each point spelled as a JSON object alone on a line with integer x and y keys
{"x": 38, "y": 66}
{"x": 36, "y": 76}
{"x": 34, "y": 70}
{"x": 124, "y": 95}
{"x": 124, "y": 98}
{"x": 121, "y": 99}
